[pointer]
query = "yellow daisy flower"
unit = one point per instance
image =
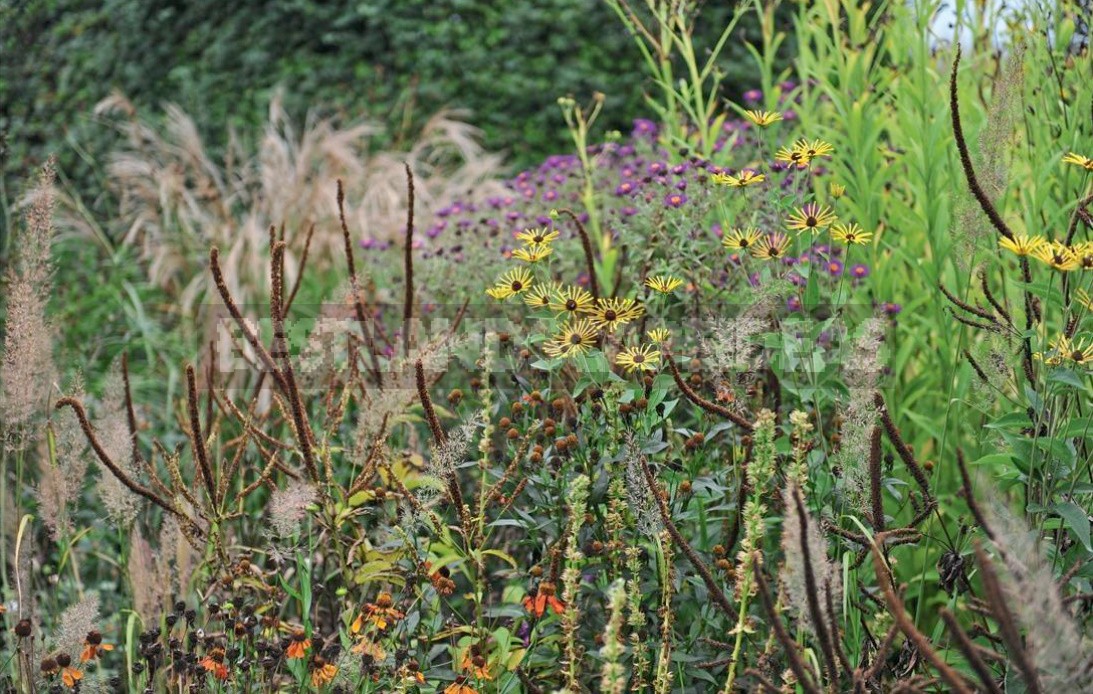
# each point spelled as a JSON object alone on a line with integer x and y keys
{"x": 1083, "y": 252}
{"x": 1057, "y": 255}
{"x": 793, "y": 157}
{"x": 851, "y": 234}
{"x": 575, "y": 337}
{"x": 771, "y": 247}
{"x": 741, "y": 239}
{"x": 1022, "y": 244}
{"x": 763, "y": 118}
{"x": 511, "y": 283}
{"x": 813, "y": 149}
{"x": 746, "y": 178}
{"x": 1083, "y": 299}
{"x": 665, "y": 284}
{"x": 537, "y": 237}
{"x": 609, "y": 314}
{"x": 643, "y": 358}
{"x": 532, "y": 254}
{"x": 659, "y": 335}
{"x": 1078, "y": 160}
{"x": 812, "y": 217}
{"x": 571, "y": 301}
{"x": 837, "y": 190}
{"x": 540, "y": 295}
{"x": 1078, "y": 352}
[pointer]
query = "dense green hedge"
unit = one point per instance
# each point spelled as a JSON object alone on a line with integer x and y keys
{"x": 506, "y": 61}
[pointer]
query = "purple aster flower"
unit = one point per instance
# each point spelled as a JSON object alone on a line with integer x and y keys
{"x": 681, "y": 184}
{"x": 550, "y": 195}
{"x": 892, "y": 309}
{"x": 678, "y": 169}
{"x": 835, "y": 268}
{"x": 657, "y": 167}
{"x": 628, "y": 211}
{"x": 543, "y": 219}
{"x": 644, "y": 129}
{"x": 793, "y": 303}
{"x": 753, "y": 96}
{"x": 859, "y": 271}
{"x": 675, "y": 200}
{"x": 626, "y": 188}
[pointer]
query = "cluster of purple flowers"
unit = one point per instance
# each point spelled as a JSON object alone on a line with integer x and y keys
{"x": 633, "y": 176}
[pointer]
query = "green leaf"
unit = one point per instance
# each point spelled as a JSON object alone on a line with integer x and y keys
{"x": 1077, "y": 520}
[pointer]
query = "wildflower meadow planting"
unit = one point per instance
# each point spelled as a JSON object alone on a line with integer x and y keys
{"x": 786, "y": 387}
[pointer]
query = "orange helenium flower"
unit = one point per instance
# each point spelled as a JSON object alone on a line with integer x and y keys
{"x": 538, "y": 602}
{"x": 214, "y": 662}
{"x": 93, "y": 647}
{"x": 299, "y": 645}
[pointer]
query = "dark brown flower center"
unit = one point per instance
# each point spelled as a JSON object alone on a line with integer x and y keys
{"x": 638, "y": 358}
{"x": 517, "y": 286}
{"x": 610, "y": 315}
{"x": 743, "y": 243}
{"x": 810, "y": 221}
{"x": 575, "y": 339}
{"x": 571, "y": 305}
{"x": 1077, "y": 356}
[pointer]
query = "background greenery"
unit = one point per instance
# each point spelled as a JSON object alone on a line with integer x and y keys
{"x": 395, "y": 61}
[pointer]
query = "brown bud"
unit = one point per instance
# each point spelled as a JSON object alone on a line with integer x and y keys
{"x": 513, "y": 433}
{"x": 455, "y": 396}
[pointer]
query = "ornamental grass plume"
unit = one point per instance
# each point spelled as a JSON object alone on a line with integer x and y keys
{"x": 288, "y": 506}
{"x": 61, "y": 476}
{"x": 1060, "y": 653}
{"x": 76, "y": 622}
{"x": 862, "y": 370}
{"x": 27, "y": 372}
{"x": 112, "y": 428}
{"x": 176, "y": 198}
